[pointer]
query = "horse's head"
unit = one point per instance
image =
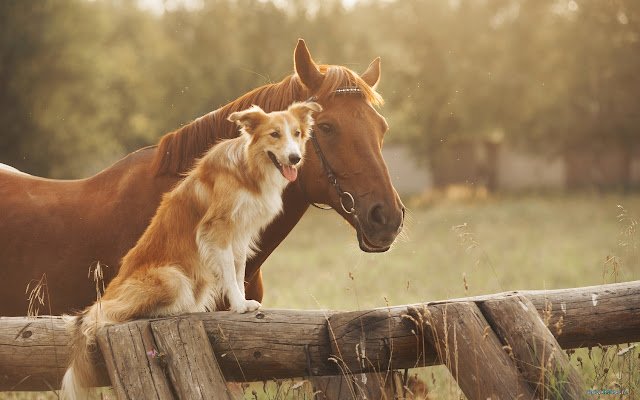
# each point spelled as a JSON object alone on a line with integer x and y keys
{"x": 344, "y": 166}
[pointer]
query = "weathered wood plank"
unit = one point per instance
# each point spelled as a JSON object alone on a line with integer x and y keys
{"x": 371, "y": 341}
{"x": 270, "y": 343}
{"x": 536, "y": 352}
{"x": 33, "y": 352}
{"x": 590, "y": 316}
{"x": 135, "y": 374}
{"x": 378, "y": 340}
{"x": 191, "y": 364}
{"x": 472, "y": 352}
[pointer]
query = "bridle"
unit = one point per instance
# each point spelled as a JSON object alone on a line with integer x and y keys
{"x": 347, "y": 201}
{"x": 333, "y": 180}
{"x": 331, "y": 176}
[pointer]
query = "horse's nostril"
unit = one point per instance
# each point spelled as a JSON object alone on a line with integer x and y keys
{"x": 376, "y": 215}
{"x": 294, "y": 159}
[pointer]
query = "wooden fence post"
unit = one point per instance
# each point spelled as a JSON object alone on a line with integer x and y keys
{"x": 536, "y": 351}
{"x": 191, "y": 365}
{"x": 162, "y": 359}
{"x": 370, "y": 349}
{"x": 132, "y": 374}
{"x": 472, "y": 352}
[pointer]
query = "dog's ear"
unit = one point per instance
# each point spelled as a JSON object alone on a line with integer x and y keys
{"x": 303, "y": 110}
{"x": 248, "y": 119}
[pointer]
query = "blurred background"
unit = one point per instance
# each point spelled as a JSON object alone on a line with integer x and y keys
{"x": 515, "y": 131}
{"x": 508, "y": 94}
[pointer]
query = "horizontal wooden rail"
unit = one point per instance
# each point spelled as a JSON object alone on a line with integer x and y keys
{"x": 290, "y": 343}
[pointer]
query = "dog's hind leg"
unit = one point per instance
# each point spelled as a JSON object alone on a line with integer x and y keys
{"x": 145, "y": 293}
{"x": 152, "y": 292}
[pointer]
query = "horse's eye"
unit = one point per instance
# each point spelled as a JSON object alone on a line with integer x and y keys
{"x": 275, "y": 135}
{"x": 326, "y": 128}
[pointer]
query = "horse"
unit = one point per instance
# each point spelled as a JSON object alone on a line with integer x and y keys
{"x": 54, "y": 232}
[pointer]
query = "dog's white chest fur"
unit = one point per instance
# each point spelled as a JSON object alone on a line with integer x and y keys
{"x": 250, "y": 214}
{"x": 255, "y": 211}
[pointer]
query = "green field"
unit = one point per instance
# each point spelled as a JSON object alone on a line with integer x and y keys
{"x": 497, "y": 244}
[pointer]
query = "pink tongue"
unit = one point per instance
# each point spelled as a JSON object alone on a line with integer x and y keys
{"x": 289, "y": 172}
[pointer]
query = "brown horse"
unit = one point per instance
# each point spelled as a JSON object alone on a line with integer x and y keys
{"x": 62, "y": 228}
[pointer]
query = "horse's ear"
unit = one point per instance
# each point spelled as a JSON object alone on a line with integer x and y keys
{"x": 372, "y": 74}
{"x": 306, "y": 68}
{"x": 248, "y": 119}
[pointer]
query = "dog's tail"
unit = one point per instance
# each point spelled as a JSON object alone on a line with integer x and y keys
{"x": 81, "y": 374}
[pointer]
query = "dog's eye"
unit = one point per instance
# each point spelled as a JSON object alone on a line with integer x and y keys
{"x": 297, "y": 133}
{"x": 275, "y": 134}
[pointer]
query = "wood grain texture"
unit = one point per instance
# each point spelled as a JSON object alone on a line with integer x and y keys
{"x": 272, "y": 343}
{"x": 191, "y": 365}
{"x": 33, "y": 353}
{"x": 472, "y": 352}
{"x": 378, "y": 340}
{"x": 591, "y": 316}
{"x": 537, "y": 353}
{"x": 135, "y": 373}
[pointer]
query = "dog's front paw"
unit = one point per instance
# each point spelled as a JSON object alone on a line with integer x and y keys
{"x": 252, "y": 305}
{"x": 244, "y": 306}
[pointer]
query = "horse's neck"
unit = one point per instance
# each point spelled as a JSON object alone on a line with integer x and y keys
{"x": 147, "y": 174}
{"x": 133, "y": 177}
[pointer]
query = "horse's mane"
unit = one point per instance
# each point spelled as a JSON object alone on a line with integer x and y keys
{"x": 178, "y": 150}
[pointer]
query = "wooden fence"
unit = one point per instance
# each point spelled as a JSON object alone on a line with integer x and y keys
{"x": 495, "y": 346}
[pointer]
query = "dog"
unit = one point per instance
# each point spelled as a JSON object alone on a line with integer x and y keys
{"x": 192, "y": 256}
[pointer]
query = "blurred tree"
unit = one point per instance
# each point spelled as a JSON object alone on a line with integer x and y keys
{"x": 28, "y": 61}
{"x": 83, "y": 82}
{"x": 548, "y": 75}
{"x": 77, "y": 80}
{"x": 442, "y": 80}
{"x": 603, "y": 83}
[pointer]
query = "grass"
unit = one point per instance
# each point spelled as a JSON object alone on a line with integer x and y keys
{"x": 495, "y": 245}
{"x": 457, "y": 249}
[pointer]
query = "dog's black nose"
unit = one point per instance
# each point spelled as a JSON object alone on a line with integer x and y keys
{"x": 294, "y": 159}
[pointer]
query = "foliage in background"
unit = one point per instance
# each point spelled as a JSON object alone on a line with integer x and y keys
{"x": 84, "y": 82}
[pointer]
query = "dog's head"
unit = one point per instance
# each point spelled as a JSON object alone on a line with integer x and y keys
{"x": 279, "y": 136}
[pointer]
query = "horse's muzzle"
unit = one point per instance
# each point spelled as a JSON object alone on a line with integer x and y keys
{"x": 377, "y": 232}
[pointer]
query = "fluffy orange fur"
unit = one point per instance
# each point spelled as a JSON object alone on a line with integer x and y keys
{"x": 192, "y": 256}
